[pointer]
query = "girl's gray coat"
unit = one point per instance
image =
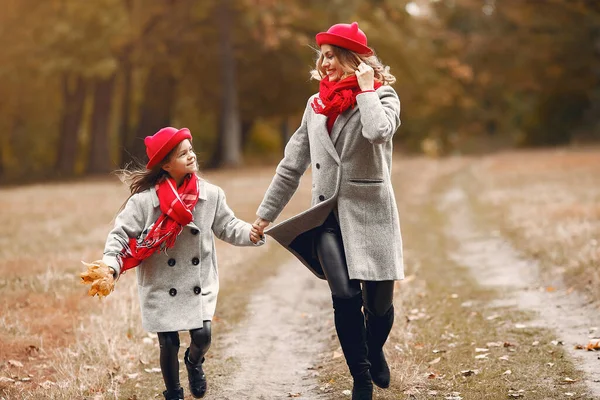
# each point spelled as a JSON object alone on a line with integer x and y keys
{"x": 178, "y": 289}
{"x": 351, "y": 169}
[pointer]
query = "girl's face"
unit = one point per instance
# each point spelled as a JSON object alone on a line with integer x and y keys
{"x": 182, "y": 162}
{"x": 331, "y": 64}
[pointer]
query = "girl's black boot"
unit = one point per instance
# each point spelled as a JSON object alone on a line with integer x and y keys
{"x": 350, "y": 326}
{"x": 173, "y": 394}
{"x": 378, "y": 329}
{"x": 196, "y": 376}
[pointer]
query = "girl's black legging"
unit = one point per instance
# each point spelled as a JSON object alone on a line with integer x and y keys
{"x": 169, "y": 350}
{"x": 377, "y": 295}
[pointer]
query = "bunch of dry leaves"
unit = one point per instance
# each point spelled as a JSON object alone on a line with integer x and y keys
{"x": 100, "y": 277}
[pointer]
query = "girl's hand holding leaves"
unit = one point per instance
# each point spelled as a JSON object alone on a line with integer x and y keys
{"x": 100, "y": 277}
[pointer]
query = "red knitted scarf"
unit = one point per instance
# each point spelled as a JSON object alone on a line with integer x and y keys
{"x": 336, "y": 97}
{"x": 176, "y": 204}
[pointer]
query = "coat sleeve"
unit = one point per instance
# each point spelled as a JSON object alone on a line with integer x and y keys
{"x": 379, "y": 114}
{"x": 129, "y": 223}
{"x": 229, "y": 228}
{"x": 295, "y": 161}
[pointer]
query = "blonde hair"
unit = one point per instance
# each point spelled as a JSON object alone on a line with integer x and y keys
{"x": 349, "y": 61}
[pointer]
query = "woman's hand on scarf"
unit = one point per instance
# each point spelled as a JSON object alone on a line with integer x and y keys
{"x": 365, "y": 76}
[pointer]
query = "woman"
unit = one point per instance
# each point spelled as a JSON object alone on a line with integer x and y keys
{"x": 351, "y": 234}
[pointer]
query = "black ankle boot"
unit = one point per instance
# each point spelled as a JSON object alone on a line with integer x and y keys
{"x": 350, "y": 327}
{"x": 173, "y": 394}
{"x": 378, "y": 329}
{"x": 196, "y": 376}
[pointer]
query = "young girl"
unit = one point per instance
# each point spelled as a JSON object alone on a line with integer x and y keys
{"x": 166, "y": 227}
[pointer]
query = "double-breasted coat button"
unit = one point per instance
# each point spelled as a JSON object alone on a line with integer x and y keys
{"x": 321, "y": 197}
{"x": 195, "y": 231}
{"x": 318, "y": 165}
{"x": 171, "y": 262}
{"x": 197, "y": 290}
{"x": 173, "y": 291}
{"x": 195, "y": 261}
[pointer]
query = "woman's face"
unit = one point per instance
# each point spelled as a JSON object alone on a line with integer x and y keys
{"x": 331, "y": 64}
{"x": 182, "y": 162}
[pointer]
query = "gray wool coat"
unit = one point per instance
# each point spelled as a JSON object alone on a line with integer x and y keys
{"x": 178, "y": 289}
{"x": 351, "y": 171}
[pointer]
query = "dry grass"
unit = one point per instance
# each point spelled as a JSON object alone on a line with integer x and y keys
{"x": 71, "y": 346}
{"x": 549, "y": 204}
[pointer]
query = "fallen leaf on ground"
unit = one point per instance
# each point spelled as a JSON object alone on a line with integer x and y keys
{"x": 47, "y": 384}
{"x": 569, "y": 380}
{"x": 435, "y": 361}
{"x": 593, "y": 346}
{"x": 15, "y": 363}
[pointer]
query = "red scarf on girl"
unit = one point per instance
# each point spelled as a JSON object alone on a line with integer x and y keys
{"x": 336, "y": 97}
{"x": 176, "y": 204}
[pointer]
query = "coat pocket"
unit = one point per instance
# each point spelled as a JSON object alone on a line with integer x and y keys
{"x": 366, "y": 181}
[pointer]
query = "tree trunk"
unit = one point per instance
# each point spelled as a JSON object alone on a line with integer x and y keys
{"x": 246, "y": 128}
{"x": 230, "y": 126}
{"x": 155, "y": 110}
{"x": 99, "y": 151}
{"x": 73, "y": 101}
{"x": 124, "y": 134}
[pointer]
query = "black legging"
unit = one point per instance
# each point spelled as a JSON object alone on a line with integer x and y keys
{"x": 169, "y": 350}
{"x": 377, "y": 295}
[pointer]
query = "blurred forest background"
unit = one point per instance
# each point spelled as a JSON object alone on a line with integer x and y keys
{"x": 83, "y": 81}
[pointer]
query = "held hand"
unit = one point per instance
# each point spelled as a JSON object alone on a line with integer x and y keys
{"x": 255, "y": 234}
{"x": 365, "y": 76}
{"x": 262, "y": 224}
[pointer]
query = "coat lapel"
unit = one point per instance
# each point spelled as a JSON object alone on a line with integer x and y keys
{"x": 323, "y": 135}
{"x": 340, "y": 122}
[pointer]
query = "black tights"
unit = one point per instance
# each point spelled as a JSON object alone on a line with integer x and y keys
{"x": 377, "y": 295}
{"x": 169, "y": 350}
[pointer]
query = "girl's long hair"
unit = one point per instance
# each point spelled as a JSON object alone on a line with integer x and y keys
{"x": 350, "y": 61}
{"x": 138, "y": 178}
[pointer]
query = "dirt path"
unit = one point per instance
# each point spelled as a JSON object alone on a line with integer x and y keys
{"x": 495, "y": 263}
{"x": 275, "y": 349}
